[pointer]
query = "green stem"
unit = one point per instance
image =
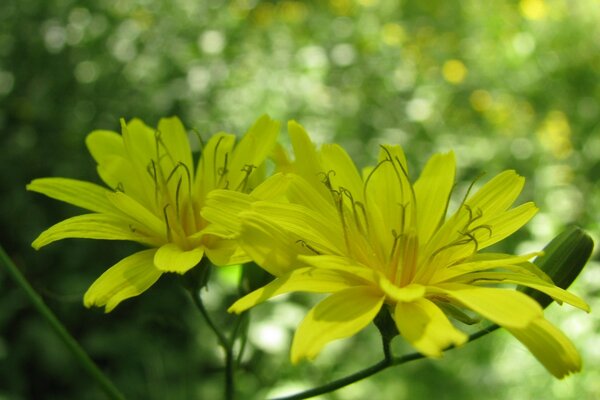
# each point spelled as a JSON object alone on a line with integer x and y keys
{"x": 226, "y": 344}
{"x": 84, "y": 359}
{"x": 388, "y": 361}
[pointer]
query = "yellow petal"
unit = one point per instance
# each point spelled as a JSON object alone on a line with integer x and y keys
{"x": 140, "y": 142}
{"x": 253, "y": 149}
{"x": 340, "y": 315}
{"x": 396, "y": 154}
{"x": 172, "y": 258}
{"x": 114, "y": 168}
{"x": 388, "y": 205}
{"x": 408, "y": 293}
{"x": 486, "y": 261}
{"x": 138, "y": 212}
{"x": 213, "y": 163}
{"x": 550, "y": 289}
{"x": 104, "y": 145}
{"x": 306, "y": 279}
{"x": 490, "y": 201}
{"x": 505, "y": 307}
{"x": 344, "y": 173}
{"x": 94, "y": 226}
{"x": 325, "y": 235}
{"x": 274, "y": 188}
{"x": 128, "y": 278}
{"x": 273, "y": 248}
{"x": 498, "y": 194}
{"x": 426, "y": 327}
{"x": 222, "y": 252}
{"x": 550, "y": 346}
{"x": 79, "y": 193}
{"x": 223, "y": 208}
{"x": 174, "y": 137}
{"x": 432, "y": 191}
{"x": 300, "y": 191}
{"x": 307, "y": 163}
{"x": 505, "y": 224}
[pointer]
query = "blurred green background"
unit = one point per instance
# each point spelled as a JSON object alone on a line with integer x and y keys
{"x": 506, "y": 85}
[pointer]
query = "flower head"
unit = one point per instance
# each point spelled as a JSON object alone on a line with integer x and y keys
{"x": 154, "y": 197}
{"x": 380, "y": 240}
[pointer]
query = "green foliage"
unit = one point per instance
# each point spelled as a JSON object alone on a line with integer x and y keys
{"x": 507, "y": 85}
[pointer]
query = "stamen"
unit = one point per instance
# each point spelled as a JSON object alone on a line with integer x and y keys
{"x": 223, "y": 170}
{"x": 248, "y": 168}
{"x": 169, "y": 238}
{"x": 348, "y": 194}
{"x": 220, "y": 171}
{"x": 177, "y": 196}
{"x": 471, "y": 187}
{"x": 327, "y": 178}
{"x": 200, "y": 140}
{"x": 397, "y": 237}
{"x": 308, "y": 246}
{"x": 153, "y": 174}
{"x": 120, "y": 187}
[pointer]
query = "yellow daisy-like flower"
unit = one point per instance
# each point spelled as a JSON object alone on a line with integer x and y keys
{"x": 155, "y": 198}
{"x": 381, "y": 240}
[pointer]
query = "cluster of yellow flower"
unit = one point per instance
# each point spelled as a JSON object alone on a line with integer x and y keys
{"x": 372, "y": 239}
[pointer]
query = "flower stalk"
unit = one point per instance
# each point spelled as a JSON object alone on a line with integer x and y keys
{"x": 78, "y": 352}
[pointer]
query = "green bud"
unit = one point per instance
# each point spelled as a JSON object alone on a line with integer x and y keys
{"x": 564, "y": 258}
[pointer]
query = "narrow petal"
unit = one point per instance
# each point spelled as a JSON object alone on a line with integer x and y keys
{"x": 253, "y": 149}
{"x": 115, "y": 169}
{"x": 273, "y": 188}
{"x": 323, "y": 234}
{"x": 491, "y": 200}
{"x": 344, "y": 173}
{"x": 432, "y": 190}
{"x": 307, "y": 163}
{"x": 270, "y": 246}
{"x": 94, "y": 226}
{"x": 306, "y": 279}
{"x": 213, "y": 163}
{"x": 498, "y": 194}
{"x": 175, "y": 139}
{"x": 222, "y": 252}
{"x": 505, "y": 307}
{"x": 128, "y": 278}
{"x": 340, "y": 315}
{"x": 550, "y": 346}
{"x": 79, "y": 193}
{"x": 505, "y": 224}
{"x": 141, "y": 143}
{"x": 300, "y": 191}
{"x": 138, "y": 212}
{"x": 558, "y": 294}
{"x": 486, "y": 261}
{"x": 426, "y": 327}
{"x": 172, "y": 258}
{"x": 388, "y": 205}
{"x": 223, "y": 208}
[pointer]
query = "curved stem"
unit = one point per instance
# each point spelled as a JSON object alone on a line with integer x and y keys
{"x": 226, "y": 344}
{"x": 84, "y": 359}
{"x": 388, "y": 361}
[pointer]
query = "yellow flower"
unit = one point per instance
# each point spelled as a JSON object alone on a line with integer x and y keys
{"x": 155, "y": 198}
{"x": 380, "y": 240}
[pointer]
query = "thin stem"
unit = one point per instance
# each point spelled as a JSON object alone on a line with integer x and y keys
{"x": 388, "y": 361}
{"x": 84, "y": 359}
{"x": 226, "y": 344}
